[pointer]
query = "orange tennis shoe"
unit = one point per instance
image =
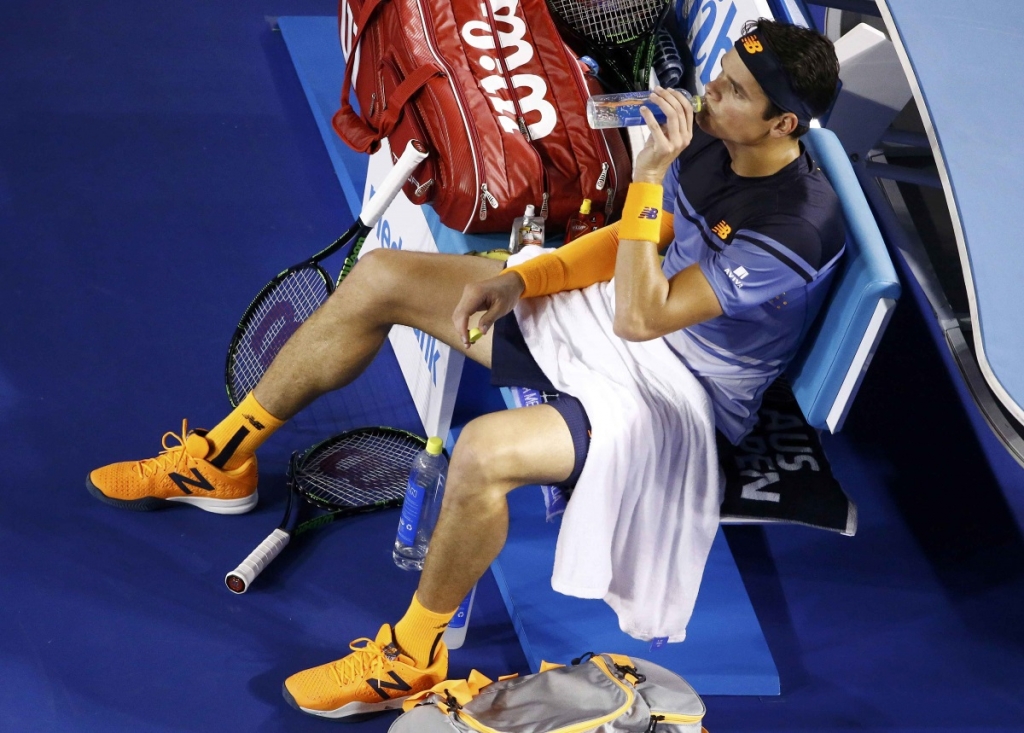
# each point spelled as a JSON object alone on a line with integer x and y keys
{"x": 180, "y": 474}
{"x": 375, "y": 677}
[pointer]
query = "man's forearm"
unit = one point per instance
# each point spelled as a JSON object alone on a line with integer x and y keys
{"x": 583, "y": 262}
{"x": 641, "y": 288}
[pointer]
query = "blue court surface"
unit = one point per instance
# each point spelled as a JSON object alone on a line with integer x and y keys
{"x": 158, "y": 164}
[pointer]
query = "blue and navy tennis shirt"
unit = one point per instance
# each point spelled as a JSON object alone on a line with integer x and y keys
{"x": 769, "y": 247}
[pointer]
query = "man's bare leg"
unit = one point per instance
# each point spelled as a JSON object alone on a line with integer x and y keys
{"x": 495, "y": 454}
{"x": 340, "y": 340}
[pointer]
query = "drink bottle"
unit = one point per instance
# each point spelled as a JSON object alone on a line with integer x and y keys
{"x": 582, "y": 222}
{"x": 526, "y": 229}
{"x": 455, "y": 634}
{"x": 422, "y": 506}
{"x": 623, "y": 109}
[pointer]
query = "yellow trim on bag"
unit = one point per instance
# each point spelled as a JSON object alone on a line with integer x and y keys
{"x": 679, "y": 717}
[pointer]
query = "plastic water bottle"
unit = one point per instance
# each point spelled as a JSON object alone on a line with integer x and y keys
{"x": 455, "y": 634}
{"x": 623, "y": 109}
{"x": 422, "y": 506}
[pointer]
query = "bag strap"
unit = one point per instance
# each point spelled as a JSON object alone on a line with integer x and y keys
{"x": 353, "y": 129}
{"x": 453, "y": 692}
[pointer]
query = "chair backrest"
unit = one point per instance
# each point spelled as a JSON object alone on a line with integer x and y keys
{"x": 832, "y": 361}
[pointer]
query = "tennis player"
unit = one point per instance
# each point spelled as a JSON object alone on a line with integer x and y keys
{"x": 753, "y": 232}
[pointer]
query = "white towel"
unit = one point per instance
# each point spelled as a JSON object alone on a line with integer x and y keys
{"x": 644, "y": 513}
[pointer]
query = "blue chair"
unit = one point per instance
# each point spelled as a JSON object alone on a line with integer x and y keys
{"x": 830, "y": 366}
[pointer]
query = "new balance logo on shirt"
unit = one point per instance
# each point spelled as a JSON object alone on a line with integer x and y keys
{"x": 722, "y": 229}
{"x": 648, "y": 212}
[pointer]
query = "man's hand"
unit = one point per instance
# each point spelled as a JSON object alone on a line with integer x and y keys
{"x": 666, "y": 141}
{"x": 496, "y": 297}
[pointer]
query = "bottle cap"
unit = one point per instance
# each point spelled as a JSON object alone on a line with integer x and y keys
{"x": 475, "y": 334}
{"x": 592, "y": 67}
{"x": 585, "y": 207}
{"x": 434, "y": 446}
{"x": 529, "y": 210}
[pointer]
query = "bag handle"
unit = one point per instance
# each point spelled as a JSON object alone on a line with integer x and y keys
{"x": 353, "y": 129}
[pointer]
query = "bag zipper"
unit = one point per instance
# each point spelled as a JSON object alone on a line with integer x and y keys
{"x": 520, "y": 117}
{"x": 486, "y": 197}
{"x": 581, "y": 727}
{"x": 608, "y": 166}
{"x": 672, "y": 718}
{"x": 474, "y": 139}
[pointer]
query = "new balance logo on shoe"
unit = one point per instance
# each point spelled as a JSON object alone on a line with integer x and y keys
{"x": 198, "y": 482}
{"x": 379, "y": 686}
{"x": 254, "y": 422}
{"x": 648, "y": 212}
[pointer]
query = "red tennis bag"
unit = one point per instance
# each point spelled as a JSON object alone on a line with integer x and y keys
{"x": 497, "y": 97}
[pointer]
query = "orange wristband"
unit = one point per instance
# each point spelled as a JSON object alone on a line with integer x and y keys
{"x": 641, "y": 214}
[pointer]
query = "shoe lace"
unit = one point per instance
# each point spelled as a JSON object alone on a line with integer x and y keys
{"x": 367, "y": 658}
{"x": 172, "y": 456}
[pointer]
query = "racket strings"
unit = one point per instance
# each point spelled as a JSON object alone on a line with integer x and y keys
{"x": 609, "y": 21}
{"x": 280, "y": 312}
{"x": 359, "y": 469}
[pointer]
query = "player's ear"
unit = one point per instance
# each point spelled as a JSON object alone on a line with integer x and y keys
{"x": 784, "y": 125}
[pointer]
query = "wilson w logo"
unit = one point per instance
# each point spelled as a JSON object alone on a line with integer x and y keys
{"x": 517, "y": 51}
{"x": 275, "y": 327}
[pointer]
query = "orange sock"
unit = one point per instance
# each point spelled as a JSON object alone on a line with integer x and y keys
{"x": 238, "y": 435}
{"x": 420, "y": 630}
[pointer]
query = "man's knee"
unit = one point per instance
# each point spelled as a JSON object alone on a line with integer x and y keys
{"x": 377, "y": 274}
{"x": 482, "y": 465}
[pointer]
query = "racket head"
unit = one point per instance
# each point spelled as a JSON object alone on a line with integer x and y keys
{"x": 620, "y": 34}
{"x": 364, "y": 469}
{"x": 269, "y": 321}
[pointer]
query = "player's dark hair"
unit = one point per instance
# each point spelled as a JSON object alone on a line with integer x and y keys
{"x": 809, "y": 59}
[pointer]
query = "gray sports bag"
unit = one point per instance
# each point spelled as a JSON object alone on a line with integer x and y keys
{"x": 606, "y": 693}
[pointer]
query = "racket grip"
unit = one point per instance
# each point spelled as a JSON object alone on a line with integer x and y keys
{"x": 414, "y": 154}
{"x": 239, "y": 579}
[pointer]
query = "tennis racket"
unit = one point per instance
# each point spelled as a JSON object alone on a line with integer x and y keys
{"x": 356, "y": 472}
{"x": 291, "y": 297}
{"x": 621, "y": 35}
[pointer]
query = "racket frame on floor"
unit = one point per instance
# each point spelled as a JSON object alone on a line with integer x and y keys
{"x": 300, "y": 502}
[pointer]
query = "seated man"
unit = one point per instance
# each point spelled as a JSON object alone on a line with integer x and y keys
{"x": 753, "y": 233}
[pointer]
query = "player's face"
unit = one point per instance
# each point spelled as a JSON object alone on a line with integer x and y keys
{"x": 735, "y": 104}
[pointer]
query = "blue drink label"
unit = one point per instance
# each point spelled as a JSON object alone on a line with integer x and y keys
{"x": 410, "y": 513}
{"x": 623, "y": 109}
{"x": 459, "y": 619}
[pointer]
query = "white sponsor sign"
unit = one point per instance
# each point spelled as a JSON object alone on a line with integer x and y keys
{"x": 432, "y": 370}
{"x": 712, "y": 27}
